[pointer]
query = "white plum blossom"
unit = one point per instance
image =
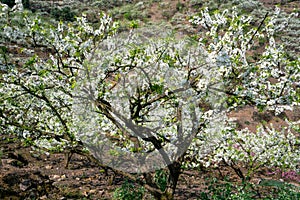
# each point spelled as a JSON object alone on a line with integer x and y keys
{"x": 18, "y": 6}
{"x": 162, "y": 100}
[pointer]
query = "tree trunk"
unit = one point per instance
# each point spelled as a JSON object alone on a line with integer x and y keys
{"x": 175, "y": 170}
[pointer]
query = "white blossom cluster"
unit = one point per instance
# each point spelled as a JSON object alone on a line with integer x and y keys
{"x": 269, "y": 83}
{"x": 266, "y": 147}
{"x": 36, "y": 98}
{"x": 149, "y": 88}
{"x": 114, "y": 94}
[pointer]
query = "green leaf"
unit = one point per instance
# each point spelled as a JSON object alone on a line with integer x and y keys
{"x": 157, "y": 88}
{"x": 275, "y": 183}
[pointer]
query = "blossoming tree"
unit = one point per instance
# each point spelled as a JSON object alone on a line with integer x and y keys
{"x": 140, "y": 105}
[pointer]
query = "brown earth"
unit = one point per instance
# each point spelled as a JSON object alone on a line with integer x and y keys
{"x": 286, "y": 5}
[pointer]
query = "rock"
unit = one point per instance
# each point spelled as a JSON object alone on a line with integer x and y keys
{"x": 24, "y": 185}
{"x": 48, "y": 166}
{"x": 54, "y": 177}
{"x": 44, "y": 197}
{"x": 92, "y": 191}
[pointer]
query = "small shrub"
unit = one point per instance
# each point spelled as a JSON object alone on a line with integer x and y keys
{"x": 196, "y": 3}
{"x": 281, "y": 190}
{"x": 161, "y": 179}
{"x": 64, "y": 14}
{"x": 168, "y": 14}
{"x": 128, "y": 191}
{"x": 26, "y": 4}
{"x": 129, "y": 12}
{"x": 224, "y": 189}
{"x": 107, "y": 4}
{"x": 134, "y": 24}
{"x": 179, "y": 6}
{"x": 267, "y": 189}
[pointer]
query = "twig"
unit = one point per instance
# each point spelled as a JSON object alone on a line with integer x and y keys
{"x": 260, "y": 25}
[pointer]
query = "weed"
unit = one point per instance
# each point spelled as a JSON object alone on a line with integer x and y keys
{"x": 128, "y": 191}
{"x": 161, "y": 179}
{"x": 179, "y": 6}
{"x": 65, "y": 14}
{"x": 224, "y": 189}
{"x": 247, "y": 122}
